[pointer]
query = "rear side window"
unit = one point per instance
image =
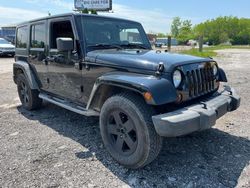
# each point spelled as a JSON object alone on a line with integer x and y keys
{"x": 22, "y": 37}
{"x": 38, "y": 36}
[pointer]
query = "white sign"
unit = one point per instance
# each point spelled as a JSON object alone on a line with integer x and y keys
{"x": 100, "y": 5}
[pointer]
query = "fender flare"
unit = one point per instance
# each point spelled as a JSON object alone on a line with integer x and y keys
{"x": 222, "y": 75}
{"x": 24, "y": 66}
{"x": 162, "y": 90}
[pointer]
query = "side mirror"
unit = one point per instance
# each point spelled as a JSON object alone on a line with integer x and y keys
{"x": 64, "y": 44}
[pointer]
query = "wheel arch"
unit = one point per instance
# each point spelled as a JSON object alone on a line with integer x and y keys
{"x": 161, "y": 89}
{"x": 22, "y": 67}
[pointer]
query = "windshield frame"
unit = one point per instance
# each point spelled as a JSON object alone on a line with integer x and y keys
{"x": 87, "y": 48}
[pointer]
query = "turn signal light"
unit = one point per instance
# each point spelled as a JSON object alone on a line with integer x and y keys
{"x": 148, "y": 96}
{"x": 179, "y": 98}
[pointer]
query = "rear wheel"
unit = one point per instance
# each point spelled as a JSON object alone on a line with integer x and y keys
{"x": 128, "y": 132}
{"x": 28, "y": 97}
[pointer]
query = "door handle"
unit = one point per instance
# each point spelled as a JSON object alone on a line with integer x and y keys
{"x": 50, "y": 59}
{"x": 78, "y": 66}
{"x": 45, "y": 62}
{"x": 33, "y": 56}
{"x": 87, "y": 67}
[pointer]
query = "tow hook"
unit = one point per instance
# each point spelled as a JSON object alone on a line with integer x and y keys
{"x": 228, "y": 89}
{"x": 204, "y": 105}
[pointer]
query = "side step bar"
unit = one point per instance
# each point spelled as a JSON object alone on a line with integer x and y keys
{"x": 68, "y": 105}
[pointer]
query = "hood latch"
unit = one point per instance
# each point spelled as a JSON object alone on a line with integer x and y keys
{"x": 160, "y": 69}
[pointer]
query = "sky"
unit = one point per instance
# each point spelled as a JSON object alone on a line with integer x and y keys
{"x": 156, "y": 16}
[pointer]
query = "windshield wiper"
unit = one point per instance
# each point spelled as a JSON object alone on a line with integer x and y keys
{"x": 107, "y": 46}
{"x": 134, "y": 45}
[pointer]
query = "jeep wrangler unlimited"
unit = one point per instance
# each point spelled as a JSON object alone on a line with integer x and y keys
{"x": 101, "y": 66}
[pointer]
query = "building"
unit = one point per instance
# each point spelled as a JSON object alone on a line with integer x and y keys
{"x": 8, "y": 32}
{"x": 164, "y": 41}
{"x": 152, "y": 38}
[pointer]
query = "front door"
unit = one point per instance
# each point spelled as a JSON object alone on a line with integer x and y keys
{"x": 65, "y": 79}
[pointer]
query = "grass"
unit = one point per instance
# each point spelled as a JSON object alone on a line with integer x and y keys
{"x": 195, "y": 52}
{"x": 210, "y": 51}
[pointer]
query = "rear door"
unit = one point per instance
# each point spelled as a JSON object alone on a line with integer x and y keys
{"x": 37, "y": 52}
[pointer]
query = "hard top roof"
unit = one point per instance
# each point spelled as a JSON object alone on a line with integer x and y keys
{"x": 72, "y": 14}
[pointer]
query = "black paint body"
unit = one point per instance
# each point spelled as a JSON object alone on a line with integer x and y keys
{"x": 77, "y": 76}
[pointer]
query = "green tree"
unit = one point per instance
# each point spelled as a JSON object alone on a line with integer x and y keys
{"x": 175, "y": 27}
{"x": 185, "y": 32}
{"x": 161, "y": 35}
{"x": 224, "y": 29}
{"x": 86, "y": 11}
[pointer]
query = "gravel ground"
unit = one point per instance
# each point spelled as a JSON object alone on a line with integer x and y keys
{"x": 53, "y": 147}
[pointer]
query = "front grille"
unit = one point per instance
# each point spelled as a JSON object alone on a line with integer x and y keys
{"x": 7, "y": 49}
{"x": 200, "y": 81}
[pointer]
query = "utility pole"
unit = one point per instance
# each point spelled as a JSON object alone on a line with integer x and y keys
{"x": 169, "y": 43}
{"x": 200, "y": 43}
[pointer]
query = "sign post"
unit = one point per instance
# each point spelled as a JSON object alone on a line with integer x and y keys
{"x": 97, "y": 5}
{"x": 200, "y": 43}
{"x": 169, "y": 43}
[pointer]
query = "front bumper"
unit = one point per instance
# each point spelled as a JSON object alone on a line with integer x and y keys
{"x": 196, "y": 117}
{"x": 7, "y": 52}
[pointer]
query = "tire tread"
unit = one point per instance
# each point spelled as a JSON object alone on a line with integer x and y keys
{"x": 145, "y": 112}
{"x": 35, "y": 101}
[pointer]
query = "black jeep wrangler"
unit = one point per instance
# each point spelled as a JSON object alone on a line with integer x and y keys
{"x": 101, "y": 66}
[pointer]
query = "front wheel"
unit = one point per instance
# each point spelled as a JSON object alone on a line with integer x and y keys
{"x": 128, "y": 132}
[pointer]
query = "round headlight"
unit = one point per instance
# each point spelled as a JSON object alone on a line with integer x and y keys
{"x": 215, "y": 70}
{"x": 177, "y": 78}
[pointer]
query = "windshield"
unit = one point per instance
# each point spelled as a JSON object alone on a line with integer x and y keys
{"x": 104, "y": 33}
{"x": 3, "y": 41}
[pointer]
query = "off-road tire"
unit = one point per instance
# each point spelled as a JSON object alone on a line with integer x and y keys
{"x": 32, "y": 101}
{"x": 149, "y": 143}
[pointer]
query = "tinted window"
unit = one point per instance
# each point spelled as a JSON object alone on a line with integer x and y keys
{"x": 131, "y": 35}
{"x": 38, "y": 36}
{"x": 22, "y": 37}
{"x": 60, "y": 29}
{"x": 113, "y": 32}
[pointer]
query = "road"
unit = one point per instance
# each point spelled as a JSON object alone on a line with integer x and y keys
{"x": 53, "y": 147}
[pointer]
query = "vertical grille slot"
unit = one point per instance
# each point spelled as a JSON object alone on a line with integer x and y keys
{"x": 195, "y": 83}
{"x": 206, "y": 80}
{"x": 211, "y": 78}
{"x": 190, "y": 84}
{"x": 198, "y": 74}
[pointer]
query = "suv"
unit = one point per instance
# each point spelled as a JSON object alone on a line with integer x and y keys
{"x": 101, "y": 66}
{"x": 6, "y": 48}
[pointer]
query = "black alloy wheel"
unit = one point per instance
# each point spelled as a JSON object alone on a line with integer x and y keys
{"x": 28, "y": 97}
{"x": 122, "y": 132}
{"x": 24, "y": 95}
{"x": 127, "y": 130}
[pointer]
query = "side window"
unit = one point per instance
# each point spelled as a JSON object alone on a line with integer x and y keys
{"x": 60, "y": 29}
{"x": 22, "y": 37}
{"x": 38, "y": 36}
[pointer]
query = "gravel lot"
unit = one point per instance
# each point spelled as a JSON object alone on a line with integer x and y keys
{"x": 53, "y": 147}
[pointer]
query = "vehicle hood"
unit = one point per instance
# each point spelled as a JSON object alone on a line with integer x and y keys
{"x": 6, "y": 46}
{"x": 142, "y": 59}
